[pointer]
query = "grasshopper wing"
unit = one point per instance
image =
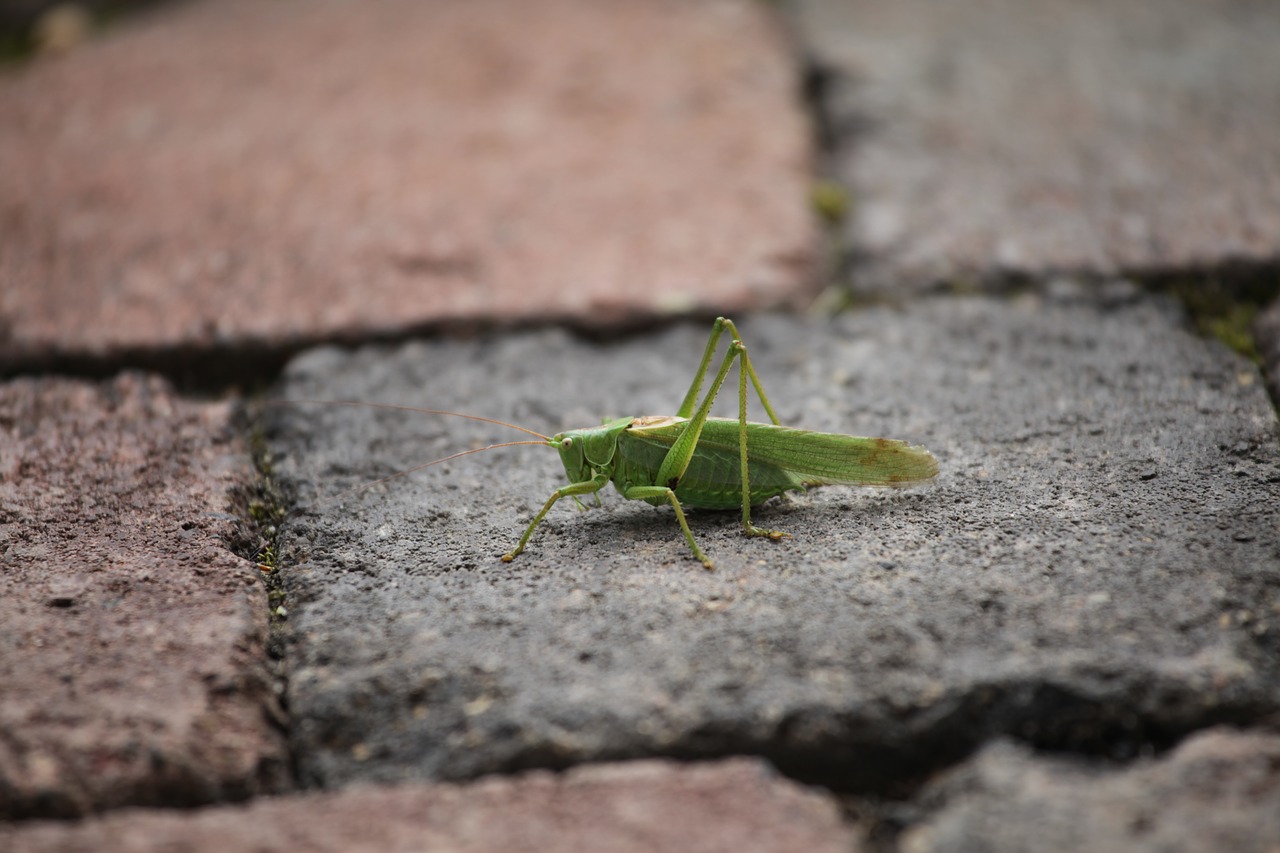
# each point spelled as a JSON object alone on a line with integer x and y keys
{"x": 823, "y": 458}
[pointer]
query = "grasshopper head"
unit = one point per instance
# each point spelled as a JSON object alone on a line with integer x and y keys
{"x": 572, "y": 448}
{"x": 583, "y": 452}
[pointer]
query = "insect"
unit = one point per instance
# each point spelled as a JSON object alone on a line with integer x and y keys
{"x": 693, "y": 460}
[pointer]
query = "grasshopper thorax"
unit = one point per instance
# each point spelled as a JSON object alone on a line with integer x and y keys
{"x": 585, "y": 451}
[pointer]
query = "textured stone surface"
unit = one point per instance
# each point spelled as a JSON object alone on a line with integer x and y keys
{"x": 131, "y": 656}
{"x": 200, "y": 178}
{"x": 1220, "y": 790}
{"x": 1000, "y": 137}
{"x": 1094, "y": 569}
{"x": 642, "y": 806}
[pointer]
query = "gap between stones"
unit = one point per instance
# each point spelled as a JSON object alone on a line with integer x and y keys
{"x": 261, "y": 507}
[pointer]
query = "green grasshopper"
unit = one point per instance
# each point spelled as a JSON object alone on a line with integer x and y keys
{"x": 691, "y": 459}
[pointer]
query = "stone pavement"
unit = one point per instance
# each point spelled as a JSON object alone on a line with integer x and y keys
{"x": 1068, "y": 640}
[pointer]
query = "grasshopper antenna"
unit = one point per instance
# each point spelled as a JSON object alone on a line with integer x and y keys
{"x": 396, "y": 408}
{"x": 543, "y": 439}
{"x": 416, "y": 468}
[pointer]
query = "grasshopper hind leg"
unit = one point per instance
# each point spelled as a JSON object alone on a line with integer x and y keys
{"x": 751, "y": 530}
{"x": 775, "y": 535}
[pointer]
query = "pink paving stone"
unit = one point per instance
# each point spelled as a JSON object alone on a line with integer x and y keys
{"x": 237, "y": 171}
{"x": 1004, "y": 137}
{"x": 132, "y": 660}
{"x": 730, "y": 806}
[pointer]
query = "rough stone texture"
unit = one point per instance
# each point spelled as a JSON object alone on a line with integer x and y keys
{"x": 1219, "y": 790}
{"x": 1004, "y": 138}
{"x": 131, "y": 656}
{"x": 1093, "y": 570}
{"x": 233, "y": 174}
{"x": 643, "y": 806}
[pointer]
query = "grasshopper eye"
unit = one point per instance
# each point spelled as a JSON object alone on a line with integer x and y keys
{"x": 568, "y": 442}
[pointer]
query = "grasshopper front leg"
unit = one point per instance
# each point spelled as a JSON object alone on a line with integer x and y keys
{"x": 594, "y": 485}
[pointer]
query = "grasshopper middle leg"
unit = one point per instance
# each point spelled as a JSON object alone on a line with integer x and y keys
{"x": 641, "y": 493}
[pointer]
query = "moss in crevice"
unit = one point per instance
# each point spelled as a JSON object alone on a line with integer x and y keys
{"x": 1223, "y": 303}
{"x": 261, "y": 507}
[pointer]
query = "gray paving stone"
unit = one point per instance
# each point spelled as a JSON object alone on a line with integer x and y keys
{"x": 724, "y": 807}
{"x": 1093, "y": 570}
{"x": 1220, "y": 790}
{"x": 237, "y": 176}
{"x": 998, "y": 138}
{"x": 132, "y": 658}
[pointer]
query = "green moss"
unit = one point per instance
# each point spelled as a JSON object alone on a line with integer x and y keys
{"x": 1225, "y": 306}
{"x": 262, "y": 508}
{"x": 14, "y": 46}
{"x": 1235, "y": 330}
{"x": 830, "y": 201}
